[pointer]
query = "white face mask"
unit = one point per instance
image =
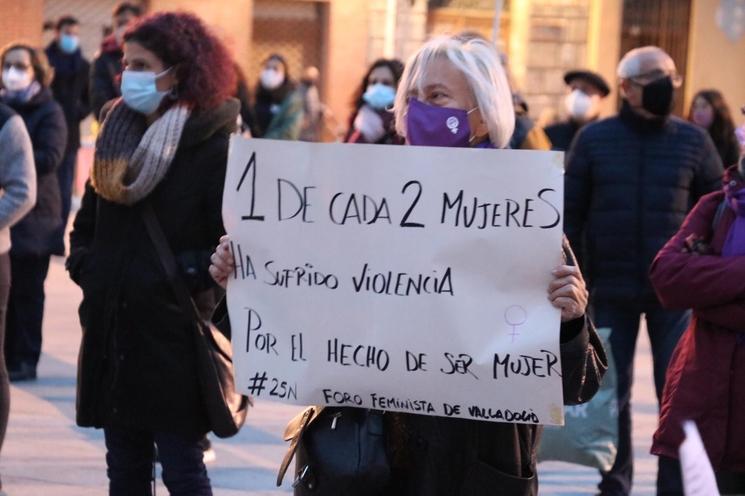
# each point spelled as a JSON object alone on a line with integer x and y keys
{"x": 16, "y": 80}
{"x": 581, "y": 106}
{"x": 271, "y": 79}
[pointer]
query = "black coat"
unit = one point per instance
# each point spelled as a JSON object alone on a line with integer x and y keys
{"x": 137, "y": 358}
{"x": 629, "y": 185}
{"x": 104, "y": 74}
{"x": 45, "y": 122}
{"x": 70, "y": 89}
{"x": 561, "y": 134}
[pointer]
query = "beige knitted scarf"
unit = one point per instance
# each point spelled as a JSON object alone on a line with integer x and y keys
{"x": 131, "y": 157}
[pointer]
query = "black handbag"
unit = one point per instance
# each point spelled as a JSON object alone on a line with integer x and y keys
{"x": 339, "y": 451}
{"x": 226, "y": 408}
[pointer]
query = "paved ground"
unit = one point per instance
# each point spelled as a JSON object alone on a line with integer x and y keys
{"x": 45, "y": 454}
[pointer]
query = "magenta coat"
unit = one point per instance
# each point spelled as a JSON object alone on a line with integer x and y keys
{"x": 706, "y": 377}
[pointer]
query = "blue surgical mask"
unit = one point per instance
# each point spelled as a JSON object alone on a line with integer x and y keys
{"x": 68, "y": 43}
{"x": 139, "y": 91}
{"x": 379, "y": 96}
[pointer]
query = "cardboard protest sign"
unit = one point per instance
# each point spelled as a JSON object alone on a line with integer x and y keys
{"x": 399, "y": 278}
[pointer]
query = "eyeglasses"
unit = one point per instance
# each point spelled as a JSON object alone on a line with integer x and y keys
{"x": 16, "y": 65}
{"x": 650, "y": 77}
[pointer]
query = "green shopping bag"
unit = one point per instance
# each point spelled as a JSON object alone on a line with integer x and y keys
{"x": 590, "y": 432}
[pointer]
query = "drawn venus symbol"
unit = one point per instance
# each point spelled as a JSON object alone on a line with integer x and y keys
{"x": 452, "y": 124}
{"x": 515, "y": 316}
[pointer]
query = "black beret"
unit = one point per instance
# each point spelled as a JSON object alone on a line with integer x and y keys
{"x": 591, "y": 77}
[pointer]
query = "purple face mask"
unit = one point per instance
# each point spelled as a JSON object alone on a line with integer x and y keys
{"x": 428, "y": 125}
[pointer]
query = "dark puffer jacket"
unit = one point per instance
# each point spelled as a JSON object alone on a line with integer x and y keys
{"x": 45, "y": 122}
{"x": 137, "y": 365}
{"x": 629, "y": 184}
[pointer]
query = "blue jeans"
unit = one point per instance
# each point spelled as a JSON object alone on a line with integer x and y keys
{"x": 130, "y": 462}
{"x": 665, "y": 327}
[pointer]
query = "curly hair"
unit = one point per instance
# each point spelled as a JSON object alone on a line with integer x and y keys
{"x": 204, "y": 69}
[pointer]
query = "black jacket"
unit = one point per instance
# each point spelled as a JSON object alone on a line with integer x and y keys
{"x": 561, "y": 134}
{"x": 70, "y": 89}
{"x": 105, "y": 70}
{"x": 45, "y": 122}
{"x": 137, "y": 358}
{"x": 629, "y": 184}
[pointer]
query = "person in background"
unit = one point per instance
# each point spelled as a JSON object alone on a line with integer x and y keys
{"x": 26, "y": 76}
{"x": 18, "y": 187}
{"x": 312, "y": 106}
{"x": 278, "y": 110}
{"x": 527, "y": 135}
{"x": 372, "y": 119}
{"x": 162, "y": 147}
{"x": 582, "y": 105}
{"x": 711, "y": 112}
{"x": 70, "y": 89}
{"x": 702, "y": 268}
{"x": 107, "y": 64}
{"x": 243, "y": 95}
{"x": 630, "y": 180}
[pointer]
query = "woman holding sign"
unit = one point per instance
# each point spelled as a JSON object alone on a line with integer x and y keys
{"x": 454, "y": 93}
{"x": 160, "y": 160}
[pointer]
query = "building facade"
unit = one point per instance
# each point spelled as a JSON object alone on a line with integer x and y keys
{"x": 540, "y": 38}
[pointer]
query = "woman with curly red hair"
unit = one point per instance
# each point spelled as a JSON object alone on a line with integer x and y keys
{"x": 160, "y": 158}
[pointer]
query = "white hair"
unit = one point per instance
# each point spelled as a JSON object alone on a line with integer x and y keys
{"x": 479, "y": 62}
{"x": 644, "y": 60}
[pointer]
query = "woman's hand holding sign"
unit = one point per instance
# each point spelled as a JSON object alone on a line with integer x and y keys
{"x": 568, "y": 292}
{"x": 222, "y": 262}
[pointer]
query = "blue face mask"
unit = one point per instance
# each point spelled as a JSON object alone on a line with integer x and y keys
{"x": 68, "y": 43}
{"x": 139, "y": 91}
{"x": 379, "y": 96}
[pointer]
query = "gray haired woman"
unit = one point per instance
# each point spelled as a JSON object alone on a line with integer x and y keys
{"x": 455, "y": 78}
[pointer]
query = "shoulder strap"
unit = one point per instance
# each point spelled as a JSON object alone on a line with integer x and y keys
{"x": 718, "y": 215}
{"x": 168, "y": 261}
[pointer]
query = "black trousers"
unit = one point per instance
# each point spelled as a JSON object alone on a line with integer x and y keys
{"x": 25, "y": 310}
{"x": 129, "y": 459}
{"x": 665, "y": 328}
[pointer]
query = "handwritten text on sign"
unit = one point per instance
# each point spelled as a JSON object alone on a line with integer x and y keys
{"x": 397, "y": 278}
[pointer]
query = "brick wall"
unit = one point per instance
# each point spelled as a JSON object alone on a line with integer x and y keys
{"x": 557, "y": 43}
{"x": 21, "y": 20}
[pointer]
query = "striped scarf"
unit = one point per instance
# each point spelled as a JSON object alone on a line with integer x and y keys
{"x": 131, "y": 157}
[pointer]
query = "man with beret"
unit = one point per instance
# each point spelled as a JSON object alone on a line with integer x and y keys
{"x": 582, "y": 104}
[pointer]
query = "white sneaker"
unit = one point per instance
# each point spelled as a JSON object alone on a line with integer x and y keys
{"x": 209, "y": 456}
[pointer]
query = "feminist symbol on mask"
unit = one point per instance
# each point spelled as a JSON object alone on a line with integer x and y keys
{"x": 452, "y": 123}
